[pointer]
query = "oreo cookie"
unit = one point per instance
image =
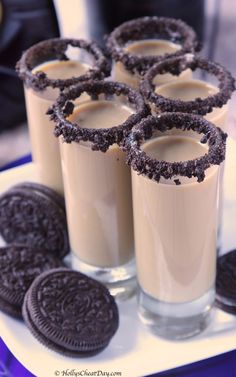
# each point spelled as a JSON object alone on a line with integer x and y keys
{"x": 44, "y": 190}
{"x": 19, "y": 266}
{"x": 226, "y": 282}
{"x": 70, "y": 313}
{"x": 33, "y": 214}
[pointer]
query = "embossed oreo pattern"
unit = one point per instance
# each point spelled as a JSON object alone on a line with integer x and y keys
{"x": 43, "y": 190}
{"x": 19, "y": 266}
{"x": 75, "y": 313}
{"x": 31, "y": 217}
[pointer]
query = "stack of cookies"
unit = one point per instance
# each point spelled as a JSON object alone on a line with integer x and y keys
{"x": 64, "y": 309}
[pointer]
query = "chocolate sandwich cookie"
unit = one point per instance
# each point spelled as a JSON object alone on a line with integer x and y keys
{"x": 32, "y": 214}
{"x": 19, "y": 266}
{"x": 226, "y": 282}
{"x": 70, "y": 313}
{"x": 43, "y": 190}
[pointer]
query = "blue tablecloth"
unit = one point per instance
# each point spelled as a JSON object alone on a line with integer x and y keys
{"x": 219, "y": 366}
{"x": 21, "y": 161}
{"x": 9, "y": 366}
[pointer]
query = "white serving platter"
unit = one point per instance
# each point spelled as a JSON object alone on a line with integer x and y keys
{"x": 133, "y": 351}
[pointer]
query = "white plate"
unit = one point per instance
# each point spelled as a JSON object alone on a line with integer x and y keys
{"x": 133, "y": 351}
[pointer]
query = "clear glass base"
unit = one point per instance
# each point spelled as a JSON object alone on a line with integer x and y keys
{"x": 176, "y": 321}
{"x": 121, "y": 281}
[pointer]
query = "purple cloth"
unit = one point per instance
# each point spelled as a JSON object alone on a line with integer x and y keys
{"x": 21, "y": 161}
{"x": 218, "y": 366}
{"x": 9, "y": 365}
{"x": 223, "y": 365}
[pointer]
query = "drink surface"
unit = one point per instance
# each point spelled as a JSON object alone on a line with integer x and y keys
{"x": 100, "y": 114}
{"x": 152, "y": 47}
{"x": 188, "y": 90}
{"x": 174, "y": 148}
{"x": 144, "y": 48}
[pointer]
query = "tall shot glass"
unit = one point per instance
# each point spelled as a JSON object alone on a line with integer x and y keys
{"x": 46, "y": 68}
{"x": 193, "y": 96}
{"x": 97, "y": 181}
{"x": 175, "y": 184}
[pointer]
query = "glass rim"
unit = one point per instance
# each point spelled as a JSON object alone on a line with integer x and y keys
{"x": 177, "y": 65}
{"x": 101, "y": 138}
{"x": 175, "y": 29}
{"x": 56, "y": 48}
{"x": 156, "y": 169}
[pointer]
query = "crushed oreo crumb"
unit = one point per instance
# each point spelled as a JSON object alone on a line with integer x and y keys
{"x": 55, "y": 49}
{"x": 101, "y": 138}
{"x": 174, "y": 30}
{"x": 177, "y": 182}
{"x": 155, "y": 169}
{"x": 177, "y": 65}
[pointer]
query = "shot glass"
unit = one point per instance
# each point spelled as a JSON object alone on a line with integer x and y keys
{"x": 97, "y": 181}
{"x": 46, "y": 68}
{"x": 175, "y": 185}
{"x": 138, "y": 44}
{"x": 192, "y": 96}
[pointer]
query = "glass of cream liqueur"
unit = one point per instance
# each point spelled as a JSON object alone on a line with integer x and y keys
{"x": 175, "y": 184}
{"x": 138, "y": 44}
{"x": 192, "y": 96}
{"x": 97, "y": 181}
{"x": 46, "y": 68}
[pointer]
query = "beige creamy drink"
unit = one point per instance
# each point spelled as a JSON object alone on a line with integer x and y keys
{"x": 44, "y": 144}
{"x": 146, "y": 48}
{"x": 98, "y": 190}
{"x": 175, "y": 226}
{"x": 188, "y": 90}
